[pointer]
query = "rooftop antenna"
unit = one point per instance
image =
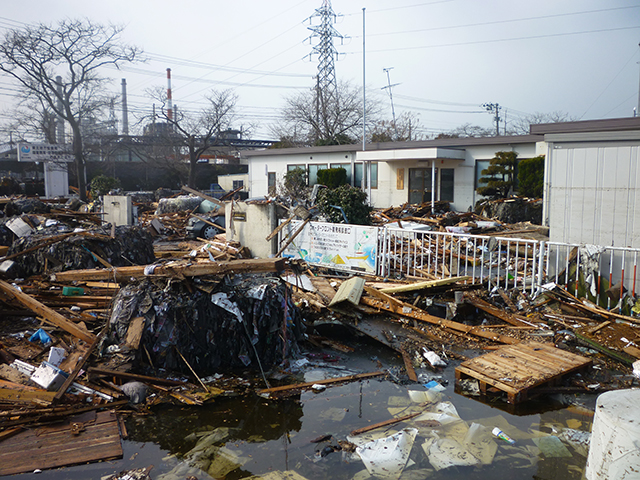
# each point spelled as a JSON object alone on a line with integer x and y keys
{"x": 388, "y": 87}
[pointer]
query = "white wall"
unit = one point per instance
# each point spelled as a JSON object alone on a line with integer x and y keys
{"x": 592, "y": 194}
{"x": 389, "y": 161}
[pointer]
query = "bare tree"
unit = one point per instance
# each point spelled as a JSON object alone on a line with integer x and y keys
{"x": 197, "y": 132}
{"x": 59, "y": 66}
{"x": 522, "y": 125}
{"x": 467, "y": 130}
{"x": 335, "y": 121}
{"x": 407, "y": 128}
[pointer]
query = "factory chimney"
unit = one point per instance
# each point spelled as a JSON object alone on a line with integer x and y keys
{"x": 125, "y": 111}
{"x": 169, "y": 102}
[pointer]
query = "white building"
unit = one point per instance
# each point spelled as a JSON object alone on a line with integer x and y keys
{"x": 592, "y": 175}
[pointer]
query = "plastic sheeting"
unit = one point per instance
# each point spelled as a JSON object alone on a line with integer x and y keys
{"x": 247, "y": 318}
{"x": 131, "y": 246}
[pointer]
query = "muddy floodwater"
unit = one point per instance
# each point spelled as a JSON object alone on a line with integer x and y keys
{"x": 238, "y": 437}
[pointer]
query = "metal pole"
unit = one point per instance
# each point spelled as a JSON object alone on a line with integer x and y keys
{"x": 364, "y": 87}
{"x": 433, "y": 187}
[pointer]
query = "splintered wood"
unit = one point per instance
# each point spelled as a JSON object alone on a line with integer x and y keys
{"x": 518, "y": 369}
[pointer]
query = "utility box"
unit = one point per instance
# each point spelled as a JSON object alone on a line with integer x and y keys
{"x": 117, "y": 209}
{"x": 249, "y": 224}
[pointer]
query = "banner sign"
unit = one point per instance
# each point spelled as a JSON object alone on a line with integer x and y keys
{"x": 334, "y": 245}
{"x": 44, "y": 152}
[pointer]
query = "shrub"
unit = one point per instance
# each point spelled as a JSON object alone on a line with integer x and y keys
{"x": 101, "y": 185}
{"x": 531, "y": 177}
{"x": 352, "y": 200}
{"x": 332, "y": 177}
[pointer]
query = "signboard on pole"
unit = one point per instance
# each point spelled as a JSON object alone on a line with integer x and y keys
{"x": 44, "y": 152}
{"x": 334, "y": 245}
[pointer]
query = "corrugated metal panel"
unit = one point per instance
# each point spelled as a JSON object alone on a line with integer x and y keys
{"x": 595, "y": 195}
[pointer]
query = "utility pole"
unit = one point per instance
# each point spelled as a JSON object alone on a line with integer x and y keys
{"x": 494, "y": 109}
{"x": 388, "y": 88}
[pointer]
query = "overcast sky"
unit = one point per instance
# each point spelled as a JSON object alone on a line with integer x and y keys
{"x": 448, "y": 57}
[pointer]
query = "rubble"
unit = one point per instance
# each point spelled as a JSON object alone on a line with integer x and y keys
{"x": 127, "y": 318}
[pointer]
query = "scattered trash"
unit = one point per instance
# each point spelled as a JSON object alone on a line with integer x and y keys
{"x": 387, "y": 457}
{"x": 502, "y": 436}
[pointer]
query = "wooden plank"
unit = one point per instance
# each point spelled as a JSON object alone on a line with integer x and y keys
{"x": 202, "y": 195}
{"x": 24, "y": 395}
{"x": 62, "y": 445}
{"x": 133, "y": 376}
{"x": 134, "y": 333}
{"x": 350, "y": 290}
{"x": 390, "y": 304}
{"x": 296, "y": 386}
{"x": 386, "y": 423}
{"x": 424, "y": 285}
{"x": 49, "y": 315}
{"x": 174, "y": 270}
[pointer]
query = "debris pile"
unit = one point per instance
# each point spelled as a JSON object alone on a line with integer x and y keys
{"x": 207, "y": 326}
{"x": 55, "y": 249}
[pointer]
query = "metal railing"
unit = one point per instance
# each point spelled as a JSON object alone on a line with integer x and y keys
{"x": 507, "y": 262}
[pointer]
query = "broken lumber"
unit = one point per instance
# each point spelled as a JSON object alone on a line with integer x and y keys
{"x": 513, "y": 319}
{"x": 202, "y": 195}
{"x": 390, "y": 304}
{"x": 298, "y": 386}
{"x": 293, "y": 236}
{"x": 386, "y": 423}
{"x": 49, "y": 315}
{"x": 122, "y": 274}
{"x": 133, "y": 376}
{"x": 422, "y": 285}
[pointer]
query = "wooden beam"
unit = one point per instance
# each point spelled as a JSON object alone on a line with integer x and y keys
{"x": 133, "y": 376}
{"x": 297, "y": 386}
{"x": 123, "y": 274}
{"x": 49, "y": 315}
{"x": 390, "y": 304}
{"x": 293, "y": 236}
{"x": 423, "y": 285}
{"x": 386, "y": 423}
{"x": 202, "y": 195}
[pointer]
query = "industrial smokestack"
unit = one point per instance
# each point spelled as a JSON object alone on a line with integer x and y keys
{"x": 125, "y": 111}
{"x": 169, "y": 102}
{"x": 60, "y": 122}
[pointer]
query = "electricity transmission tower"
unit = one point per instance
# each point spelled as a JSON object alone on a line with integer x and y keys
{"x": 326, "y": 84}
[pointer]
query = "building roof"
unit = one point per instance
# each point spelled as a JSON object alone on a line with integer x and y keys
{"x": 441, "y": 142}
{"x": 608, "y": 125}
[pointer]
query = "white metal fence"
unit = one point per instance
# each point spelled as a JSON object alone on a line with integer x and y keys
{"x": 585, "y": 270}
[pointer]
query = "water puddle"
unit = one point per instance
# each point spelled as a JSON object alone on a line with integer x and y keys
{"x": 309, "y": 436}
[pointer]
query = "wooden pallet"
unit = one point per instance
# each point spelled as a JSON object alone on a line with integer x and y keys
{"x": 88, "y": 437}
{"x": 518, "y": 369}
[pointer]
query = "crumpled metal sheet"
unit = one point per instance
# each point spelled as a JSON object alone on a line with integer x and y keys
{"x": 195, "y": 324}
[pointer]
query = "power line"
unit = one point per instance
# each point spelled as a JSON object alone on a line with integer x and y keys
{"x": 476, "y": 42}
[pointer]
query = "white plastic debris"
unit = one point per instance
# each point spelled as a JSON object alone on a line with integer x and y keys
{"x": 317, "y": 387}
{"x": 433, "y": 358}
{"x": 56, "y": 356}
{"x": 387, "y": 457}
{"x": 447, "y": 452}
{"x": 48, "y": 376}
{"x": 222, "y": 300}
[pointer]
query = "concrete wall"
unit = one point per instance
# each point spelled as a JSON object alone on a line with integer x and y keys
{"x": 592, "y": 193}
{"x": 249, "y": 224}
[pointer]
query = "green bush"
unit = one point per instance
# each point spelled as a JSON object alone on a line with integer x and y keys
{"x": 101, "y": 185}
{"x": 531, "y": 177}
{"x": 352, "y": 200}
{"x": 332, "y": 177}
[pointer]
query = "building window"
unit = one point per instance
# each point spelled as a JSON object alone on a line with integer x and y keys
{"x": 446, "y": 184}
{"x": 271, "y": 183}
{"x": 347, "y": 167}
{"x": 238, "y": 184}
{"x": 313, "y": 173}
{"x": 360, "y": 175}
{"x": 480, "y": 166}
